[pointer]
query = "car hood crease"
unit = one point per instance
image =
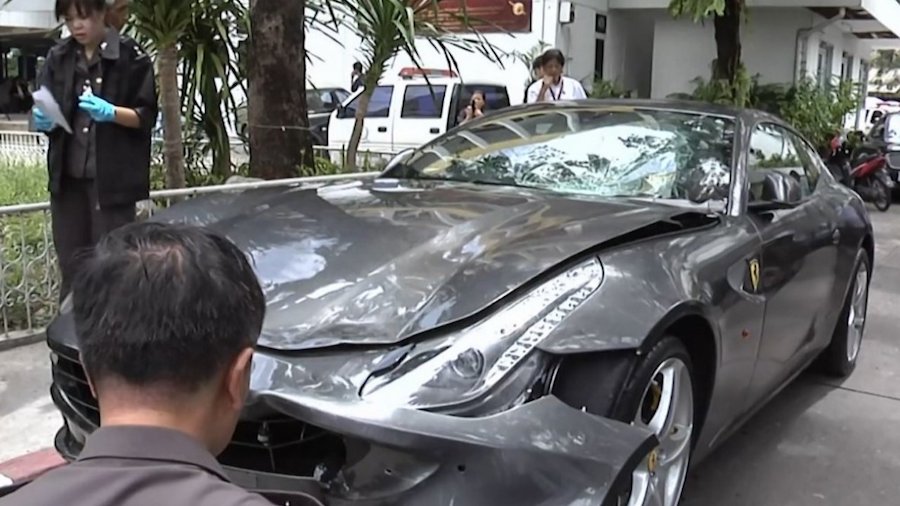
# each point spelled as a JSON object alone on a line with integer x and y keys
{"x": 376, "y": 262}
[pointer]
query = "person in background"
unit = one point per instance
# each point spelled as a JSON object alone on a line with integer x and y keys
{"x": 171, "y": 374}
{"x": 536, "y": 75}
{"x": 105, "y": 85}
{"x": 476, "y": 107}
{"x": 117, "y": 14}
{"x": 356, "y": 77}
{"x": 553, "y": 85}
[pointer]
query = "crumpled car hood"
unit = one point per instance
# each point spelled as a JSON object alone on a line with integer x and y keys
{"x": 378, "y": 261}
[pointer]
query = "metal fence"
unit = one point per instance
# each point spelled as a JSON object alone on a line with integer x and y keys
{"x": 29, "y": 276}
{"x": 31, "y": 148}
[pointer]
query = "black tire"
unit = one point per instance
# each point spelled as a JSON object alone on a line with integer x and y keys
{"x": 615, "y": 384}
{"x": 835, "y": 360}
{"x": 882, "y": 195}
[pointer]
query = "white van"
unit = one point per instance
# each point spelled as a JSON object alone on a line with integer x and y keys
{"x": 405, "y": 113}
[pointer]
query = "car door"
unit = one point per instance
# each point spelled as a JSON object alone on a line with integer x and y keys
{"x": 421, "y": 115}
{"x": 798, "y": 254}
{"x": 378, "y": 128}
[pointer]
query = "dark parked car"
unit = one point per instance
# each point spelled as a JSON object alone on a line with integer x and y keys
{"x": 560, "y": 304}
{"x": 320, "y": 102}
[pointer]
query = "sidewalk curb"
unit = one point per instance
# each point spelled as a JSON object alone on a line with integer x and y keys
{"x": 16, "y": 340}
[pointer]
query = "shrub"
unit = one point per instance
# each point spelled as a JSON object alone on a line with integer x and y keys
{"x": 27, "y": 262}
{"x": 609, "y": 89}
{"x": 816, "y": 111}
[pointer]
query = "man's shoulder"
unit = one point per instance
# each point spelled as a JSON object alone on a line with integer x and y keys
{"x": 111, "y": 484}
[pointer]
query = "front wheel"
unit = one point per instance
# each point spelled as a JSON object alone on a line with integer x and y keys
{"x": 658, "y": 395}
{"x": 881, "y": 194}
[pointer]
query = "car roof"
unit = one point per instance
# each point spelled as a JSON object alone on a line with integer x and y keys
{"x": 690, "y": 106}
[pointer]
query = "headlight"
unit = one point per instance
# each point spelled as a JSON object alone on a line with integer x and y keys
{"x": 466, "y": 364}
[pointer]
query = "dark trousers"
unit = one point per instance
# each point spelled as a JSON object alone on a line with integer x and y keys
{"x": 79, "y": 222}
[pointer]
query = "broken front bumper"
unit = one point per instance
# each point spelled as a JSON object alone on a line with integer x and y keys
{"x": 543, "y": 452}
{"x": 540, "y": 453}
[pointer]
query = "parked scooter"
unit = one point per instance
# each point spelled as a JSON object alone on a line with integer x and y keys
{"x": 866, "y": 175}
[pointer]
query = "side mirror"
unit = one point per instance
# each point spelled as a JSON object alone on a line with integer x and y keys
{"x": 777, "y": 191}
{"x": 399, "y": 158}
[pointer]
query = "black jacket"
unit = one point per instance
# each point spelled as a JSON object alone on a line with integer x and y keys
{"x": 123, "y": 154}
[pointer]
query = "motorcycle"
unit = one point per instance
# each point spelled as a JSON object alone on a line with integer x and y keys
{"x": 866, "y": 174}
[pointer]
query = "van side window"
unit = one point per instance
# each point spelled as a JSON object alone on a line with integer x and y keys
{"x": 379, "y": 106}
{"x": 420, "y": 101}
{"x": 495, "y": 97}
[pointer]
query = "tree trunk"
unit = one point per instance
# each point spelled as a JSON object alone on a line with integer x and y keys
{"x": 370, "y": 82}
{"x": 728, "y": 41}
{"x": 276, "y": 104}
{"x": 171, "y": 110}
{"x": 356, "y": 136}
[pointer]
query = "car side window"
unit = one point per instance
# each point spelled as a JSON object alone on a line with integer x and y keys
{"x": 810, "y": 160}
{"x": 379, "y": 105}
{"x": 423, "y": 102}
{"x": 327, "y": 100}
{"x": 773, "y": 153}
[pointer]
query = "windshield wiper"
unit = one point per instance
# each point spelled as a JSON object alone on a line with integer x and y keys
{"x": 489, "y": 182}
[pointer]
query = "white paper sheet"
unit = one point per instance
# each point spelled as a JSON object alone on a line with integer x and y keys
{"x": 44, "y": 100}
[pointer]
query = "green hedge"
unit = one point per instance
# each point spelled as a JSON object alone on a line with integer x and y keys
{"x": 27, "y": 262}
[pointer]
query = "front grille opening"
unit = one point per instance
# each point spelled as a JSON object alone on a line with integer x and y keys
{"x": 272, "y": 444}
{"x": 282, "y": 445}
{"x": 70, "y": 379}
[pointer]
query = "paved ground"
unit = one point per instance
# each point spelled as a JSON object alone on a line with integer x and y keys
{"x": 819, "y": 443}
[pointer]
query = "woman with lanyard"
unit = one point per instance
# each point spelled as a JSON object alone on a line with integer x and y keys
{"x": 554, "y": 86}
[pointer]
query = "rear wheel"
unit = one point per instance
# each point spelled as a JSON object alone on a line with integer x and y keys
{"x": 839, "y": 359}
{"x": 658, "y": 394}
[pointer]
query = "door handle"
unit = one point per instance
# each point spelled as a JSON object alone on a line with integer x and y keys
{"x": 836, "y": 236}
{"x": 435, "y": 130}
{"x": 382, "y": 129}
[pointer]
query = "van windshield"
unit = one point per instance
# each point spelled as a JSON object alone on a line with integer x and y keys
{"x": 604, "y": 151}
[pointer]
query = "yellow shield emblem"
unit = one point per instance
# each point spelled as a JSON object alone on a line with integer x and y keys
{"x": 754, "y": 274}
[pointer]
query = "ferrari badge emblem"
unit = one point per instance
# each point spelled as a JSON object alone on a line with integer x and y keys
{"x": 754, "y": 274}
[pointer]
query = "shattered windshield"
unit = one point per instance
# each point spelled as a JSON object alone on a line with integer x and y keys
{"x": 604, "y": 151}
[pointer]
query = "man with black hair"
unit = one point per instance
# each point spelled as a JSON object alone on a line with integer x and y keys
{"x": 117, "y": 14}
{"x": 535, "y": 76}
{"x": 356, "y": 77}
{"x": 167, "y": 318}
{"x": 553, "y": 85}
{"x": 105, "y": 85}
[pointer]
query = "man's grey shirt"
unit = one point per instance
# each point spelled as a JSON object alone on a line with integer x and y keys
{"x": 137, "y": 466}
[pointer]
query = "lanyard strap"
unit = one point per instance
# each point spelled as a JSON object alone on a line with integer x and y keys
{"x": 561, "y": 90}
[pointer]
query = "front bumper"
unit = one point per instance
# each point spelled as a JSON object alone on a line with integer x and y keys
{"x": 542, "y": 452}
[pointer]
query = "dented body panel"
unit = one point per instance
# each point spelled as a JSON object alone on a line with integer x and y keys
{"x": 360, "y": 276}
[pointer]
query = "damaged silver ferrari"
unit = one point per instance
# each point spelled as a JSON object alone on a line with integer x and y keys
{"x": 558, "y": 304}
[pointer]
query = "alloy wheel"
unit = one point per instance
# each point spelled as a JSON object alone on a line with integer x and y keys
{"x": 856, "y": 318}
{"x": 667, "y": 409}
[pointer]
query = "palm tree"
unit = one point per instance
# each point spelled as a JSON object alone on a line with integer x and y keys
{"x": 192, "y": 39}
{"x": 277, "y": 111}
{"x": 387, "y": 28}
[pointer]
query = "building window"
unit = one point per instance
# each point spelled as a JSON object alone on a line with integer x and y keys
{"x": 826, "y": 59}
{"x": 847, "y": 67}
{"x": 599, "y": 50}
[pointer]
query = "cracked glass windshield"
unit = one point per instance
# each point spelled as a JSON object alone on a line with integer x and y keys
{"x": 611, "y": 152}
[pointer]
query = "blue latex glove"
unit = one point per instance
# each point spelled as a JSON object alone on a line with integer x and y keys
{"x": 100, "y": 110}
{"x": 41, "y": 123}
